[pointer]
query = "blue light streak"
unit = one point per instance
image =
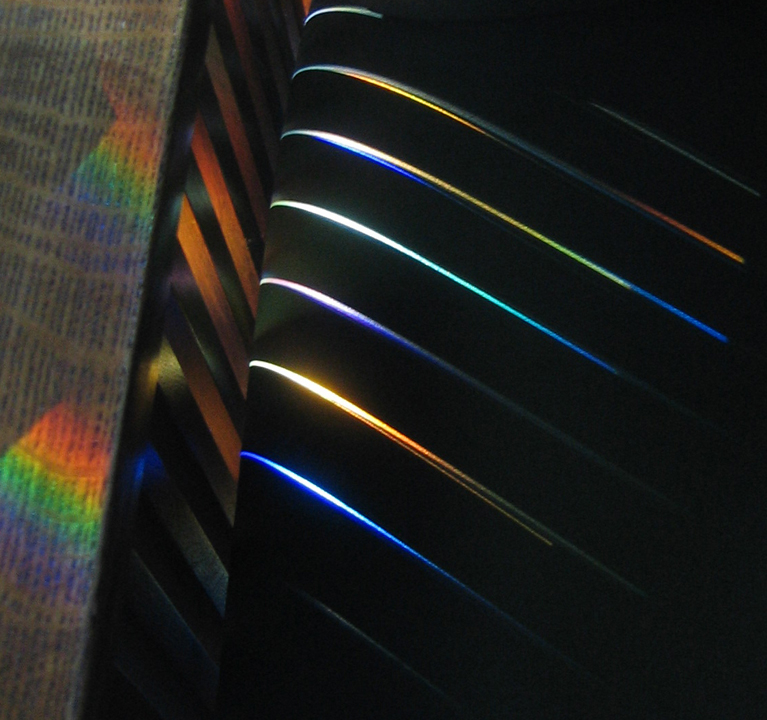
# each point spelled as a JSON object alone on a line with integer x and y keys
{"x": 680, "y": 314}
{"x": 514, "y": 143}
{"x": 455, "y": 194}
{"x": 358, "y": 149}
{"x": 388, "y": 242}
{"x": 360, "y": 518}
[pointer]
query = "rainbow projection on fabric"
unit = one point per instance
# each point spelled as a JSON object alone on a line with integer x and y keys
{"x": 121, "y": 171}
{"x": 98, "y": 85}
{"x": 51, "y": 497}
{"x": 52, "y": 479}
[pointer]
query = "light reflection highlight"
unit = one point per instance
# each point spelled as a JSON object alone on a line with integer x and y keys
{"x": 456, "y": 475}
{"x": 370, "y": 641}
{"x": 495, "y": 501}
{"x": 667, "y": 143}
{"x": 350, "y": 9}
{"x": 360, "y": 518}
{"x": 436, "y": 183}
{"x": 512, "y": 142}
{"x": 388, "y": 242}
{"x": 345, "y": 311}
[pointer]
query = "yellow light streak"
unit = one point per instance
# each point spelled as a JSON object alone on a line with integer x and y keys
{"x": 498, "y": 503}
{"x": 458, "y": 476}
{"x": 428, "y": 179}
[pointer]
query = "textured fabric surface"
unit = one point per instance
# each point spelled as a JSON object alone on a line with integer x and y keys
{"x": 86, "y": 90}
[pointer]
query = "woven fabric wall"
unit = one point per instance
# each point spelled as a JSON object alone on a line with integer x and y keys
{"x": 86, "y": 91}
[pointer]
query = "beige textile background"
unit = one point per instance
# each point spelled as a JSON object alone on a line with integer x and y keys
{"x": 86, "y": 90}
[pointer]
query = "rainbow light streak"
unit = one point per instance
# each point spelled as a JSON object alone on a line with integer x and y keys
{"x": 468, "y": 483}
{"x": 667, "y": 143}
{"x": 51, "y": 494}
{"x": 512, "y": 142}
{"x": 431, "y": 180}
{"x": 111, "y": 176}
{"x": 360, "y": 518}
{"x": 122, "y": 170}
{"x": 378, "y": 237}
{"x": 351, "y": 9}
{"x": 356, "y": 316}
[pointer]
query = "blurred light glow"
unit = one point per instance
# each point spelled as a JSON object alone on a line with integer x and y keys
{"x": 383, "y": 239}
{"x": 431, "y": 180}
{"x": 369, "y": 640}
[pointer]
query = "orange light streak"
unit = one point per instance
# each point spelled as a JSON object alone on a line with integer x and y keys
{"x": 452, "y": 472}
{"x": 509, "y": 141}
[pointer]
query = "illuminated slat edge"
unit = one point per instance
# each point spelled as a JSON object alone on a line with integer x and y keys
{"x": 350, "y": 224}
{"x": 350, "y": 313}
{"x": 626, "y": 376}
{"x": 495, "y": 501}
{"x": 512, "y": 142}
{"x": 324, "y": 609}
{"x": 459, "y": 477}
{"x": 360, "y": 518}
{"x": 349, "y": 9}
{"x": 667, "y": 143}
{"x": 436, "y": 183}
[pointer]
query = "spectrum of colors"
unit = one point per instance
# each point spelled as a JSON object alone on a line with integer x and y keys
{"x": 111, "y": 176}
{"x": 512, "y": 142}
{"x": 495, "y": 501}
{"x": 350, "y": 313}
{"x": 51, "y": 497}
{"x": 388, "y": 242}
{"x": 333, "y": 501}
{"x": 436, "y": 183}
{"x": 121, "y": 171}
